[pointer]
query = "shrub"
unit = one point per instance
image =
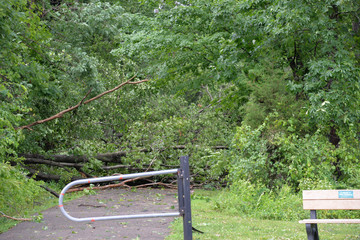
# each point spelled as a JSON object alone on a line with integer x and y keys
{"x": 250, "y": 200}
{"x": 274, "y": 157}
{"x": 18, "y": 194}
{"x": 257, "y": 201}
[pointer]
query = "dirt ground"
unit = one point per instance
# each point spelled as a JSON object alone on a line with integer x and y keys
{"x": 105, "y": 203}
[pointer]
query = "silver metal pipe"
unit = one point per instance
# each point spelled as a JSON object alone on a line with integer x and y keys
{"x": 115, "y": 178}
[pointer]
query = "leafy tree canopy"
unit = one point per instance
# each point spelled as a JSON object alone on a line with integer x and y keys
{"x": 284, "y": 72}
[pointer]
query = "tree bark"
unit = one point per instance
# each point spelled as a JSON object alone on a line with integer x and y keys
{"x": 50, "y": 191}
{"x": 63, "y": 159}
{"x": 77, "y": 161}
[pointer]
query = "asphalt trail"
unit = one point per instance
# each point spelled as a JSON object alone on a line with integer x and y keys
{"x": 105, "y": 203}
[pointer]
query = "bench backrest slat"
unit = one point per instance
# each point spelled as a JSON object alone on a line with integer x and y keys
{"x": 331, "y": 199}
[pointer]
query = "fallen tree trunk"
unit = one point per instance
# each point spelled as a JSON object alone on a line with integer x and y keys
{"x": 78, "y": 166}
{"x": 63, "y": 159}
{"x": 78, "y": 162}
{"x": 44, "y": 176}
{"x": 71, "y": 160}
{"x": 51, "y": 162}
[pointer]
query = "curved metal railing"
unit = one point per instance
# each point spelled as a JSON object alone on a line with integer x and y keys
{"x": 183, "y": 181}
{"x": 115, "y": 178}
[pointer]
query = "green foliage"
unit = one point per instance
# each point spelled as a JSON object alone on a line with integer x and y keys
{"x": 22, "y": 37}
{"x": 277, "y": 153}
{"x": 90, "y": 191}
{"x": 207, "y": 42}
{"x": 259, "y": 202}
{"x": 18, "y": 193}
{"x": 9, "y": 137}
{"x": 317, "y": 41}
{"x": 24, "y": 78}
{"x": 182, "y": 45}
{"x": 167, "y": 122}
{"x": 349, "y": 154}
{"x": 272, "y": 157}
{"x": 270, "y": 94}
{"x": 337, "y": 102}
{"x": 80, "y": 60}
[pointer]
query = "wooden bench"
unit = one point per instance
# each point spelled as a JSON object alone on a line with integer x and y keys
{"x": 328, "y": 200}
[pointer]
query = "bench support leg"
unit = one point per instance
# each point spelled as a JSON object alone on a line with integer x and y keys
{"x": 312, "y": 229}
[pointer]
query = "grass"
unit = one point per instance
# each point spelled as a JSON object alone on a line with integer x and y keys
{"x": 50, "y": 201}
{"x": 229, "y": 225}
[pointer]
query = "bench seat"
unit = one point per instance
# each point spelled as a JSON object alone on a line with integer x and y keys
{"x": 315, "y": 221}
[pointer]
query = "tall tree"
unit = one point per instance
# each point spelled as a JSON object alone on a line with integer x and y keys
{"x": 23, "y": 74}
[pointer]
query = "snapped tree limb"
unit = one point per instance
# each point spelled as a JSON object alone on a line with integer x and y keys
{"x": 82, "y": 102}
{"x": 14, "y": 218}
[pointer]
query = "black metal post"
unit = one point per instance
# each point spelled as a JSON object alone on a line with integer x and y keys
{"x": 312, "y": 229}
{"x": 180, "y": 184}
{"x": 184, "y": 196}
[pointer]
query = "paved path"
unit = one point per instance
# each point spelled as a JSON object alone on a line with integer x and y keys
{"x": 105, "y": 202}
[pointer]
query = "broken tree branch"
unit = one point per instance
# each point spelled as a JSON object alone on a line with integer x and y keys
{"x": 32, "y": 160}
{"x": 58, "y": 115}
{"x": 14, "y": 218}
{"x": 50, "y": 191}
{"x": 115, "y": 88}
{"x": 121, "y": 184}
{"x": 208, "y": 92}
{"x": 82, "y": 102}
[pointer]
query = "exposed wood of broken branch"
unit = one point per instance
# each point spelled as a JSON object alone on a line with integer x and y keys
{"x": 168, "y": 185}
{"x": 91, "y": 205}
{"x": 82, "y": 102}
{"x": 14, "y": 218}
